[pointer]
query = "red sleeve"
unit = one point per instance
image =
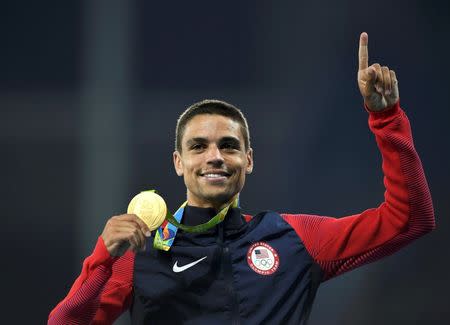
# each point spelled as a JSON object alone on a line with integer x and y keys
{"x": 340, "y": 245}
{"x": 101, "y": 292}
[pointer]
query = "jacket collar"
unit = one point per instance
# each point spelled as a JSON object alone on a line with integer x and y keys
{"x": 193, "y": 216}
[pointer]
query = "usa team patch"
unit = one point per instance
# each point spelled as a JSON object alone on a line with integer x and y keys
{"x": 263, "y": 258}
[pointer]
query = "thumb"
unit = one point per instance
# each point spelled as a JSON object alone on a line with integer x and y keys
{"x": 367, "y": 79}
{"x": 369, "y": 75}
{"x": 372, "y": 73}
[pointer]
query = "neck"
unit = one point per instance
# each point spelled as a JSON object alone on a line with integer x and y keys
{"x": 208, "y": 204}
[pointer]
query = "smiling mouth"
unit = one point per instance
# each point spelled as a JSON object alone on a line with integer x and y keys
{"x": 219, "y": 175}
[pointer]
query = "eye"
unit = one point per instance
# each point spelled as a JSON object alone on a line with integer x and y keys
{"x": 197, "y": 146}
{"x": 230, "y": 146}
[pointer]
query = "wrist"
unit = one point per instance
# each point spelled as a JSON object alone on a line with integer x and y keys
{"x": 386, "y": 110}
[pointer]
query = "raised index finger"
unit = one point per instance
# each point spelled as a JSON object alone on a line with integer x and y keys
{"x": 363, "y": 51}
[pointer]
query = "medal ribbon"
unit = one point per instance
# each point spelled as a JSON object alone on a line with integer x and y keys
{"x": 165, "y": 234}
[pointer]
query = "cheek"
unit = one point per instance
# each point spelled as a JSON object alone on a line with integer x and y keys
{"x": 240, "y": 172}
{"x": 189, "y": 167}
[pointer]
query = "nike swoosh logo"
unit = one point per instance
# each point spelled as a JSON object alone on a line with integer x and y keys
{"x": 178, "y": 269}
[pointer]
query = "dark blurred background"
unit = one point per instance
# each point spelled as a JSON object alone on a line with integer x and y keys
{"x": 90, "y": 92}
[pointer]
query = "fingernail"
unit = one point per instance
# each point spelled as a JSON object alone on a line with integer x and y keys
{"x": 148, "y": 233}
{"x": 387, "y": 91}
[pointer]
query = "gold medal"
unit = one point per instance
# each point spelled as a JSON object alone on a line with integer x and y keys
{"x": 150, "y": 208}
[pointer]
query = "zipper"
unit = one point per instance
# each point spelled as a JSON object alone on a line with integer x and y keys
{"x": 228, "y": 273}
{"x": 227, "y": 269}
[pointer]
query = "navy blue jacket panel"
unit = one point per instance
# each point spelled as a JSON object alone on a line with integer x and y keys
{"x": 224, "y": 286}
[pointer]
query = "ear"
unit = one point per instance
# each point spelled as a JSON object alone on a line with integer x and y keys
{"x": 177, "y": 163}
{"x": 249, "y": 157}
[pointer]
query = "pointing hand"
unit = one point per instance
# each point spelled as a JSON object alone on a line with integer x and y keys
{"x": 378, "y": 85}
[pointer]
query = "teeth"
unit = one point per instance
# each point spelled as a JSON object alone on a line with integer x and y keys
{"x": 213, "y": 175}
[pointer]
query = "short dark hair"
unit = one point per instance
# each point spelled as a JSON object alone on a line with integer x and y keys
{"x": 211, "y": 106}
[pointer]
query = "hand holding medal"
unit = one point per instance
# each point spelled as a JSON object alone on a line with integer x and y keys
{"x": 146, "y": 212}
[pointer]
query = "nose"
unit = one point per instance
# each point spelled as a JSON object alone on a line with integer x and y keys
{"x": 214, "y": 156}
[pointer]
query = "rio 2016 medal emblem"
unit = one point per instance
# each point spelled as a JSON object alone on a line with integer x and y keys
{"x": 263, "y": 258}
{"x": 150, "y": 208}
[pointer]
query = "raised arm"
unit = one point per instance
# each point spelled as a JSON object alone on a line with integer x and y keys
{"x": 339, "y": 245}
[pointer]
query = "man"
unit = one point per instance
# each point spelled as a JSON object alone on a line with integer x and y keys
{"x": 251, "y": 270}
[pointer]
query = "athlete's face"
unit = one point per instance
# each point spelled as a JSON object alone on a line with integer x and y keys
{"x": 213, "y": 160}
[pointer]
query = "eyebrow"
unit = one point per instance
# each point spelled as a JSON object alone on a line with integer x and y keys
{"x": 196, "y": 140}
{"x": 230, "y": 139}
{"x": 204, "y": 140}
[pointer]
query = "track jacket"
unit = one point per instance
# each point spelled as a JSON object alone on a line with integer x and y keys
{"x": 261, "y": 269}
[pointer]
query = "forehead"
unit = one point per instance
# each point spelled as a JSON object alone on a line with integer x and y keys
{"x": 212, "y": 126}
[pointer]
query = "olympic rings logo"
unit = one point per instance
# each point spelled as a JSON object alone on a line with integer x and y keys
{"x": 263, "y": 258}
